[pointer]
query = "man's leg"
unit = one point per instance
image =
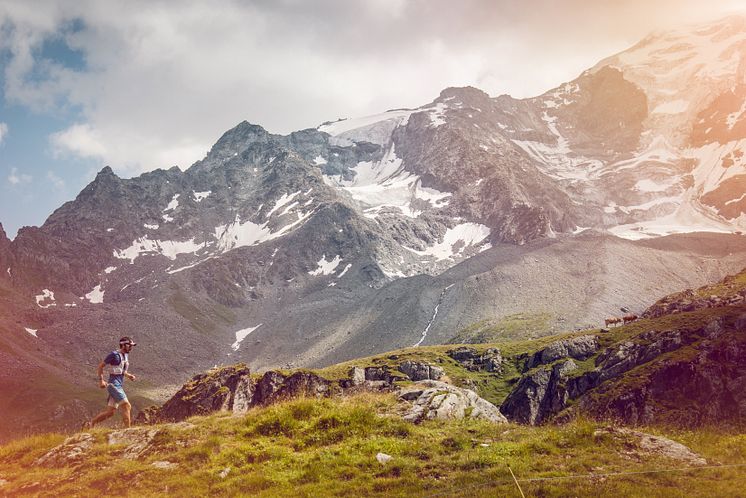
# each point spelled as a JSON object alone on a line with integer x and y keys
{"x": 108, "y": 412}
{"x": 126, "y": 408}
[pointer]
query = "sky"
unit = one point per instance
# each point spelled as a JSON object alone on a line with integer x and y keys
{"x": 145, "y": 84}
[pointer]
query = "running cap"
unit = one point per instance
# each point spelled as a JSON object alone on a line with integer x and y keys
{"x": 125, "y": 341}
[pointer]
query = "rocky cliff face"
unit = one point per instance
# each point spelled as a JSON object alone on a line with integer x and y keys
{"x": 691, "y": 372}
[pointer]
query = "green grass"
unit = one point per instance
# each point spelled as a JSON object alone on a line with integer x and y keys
{"x": 519, "y": 325}
{"x": 327, "y": 447}
{"x": 728, "y": 286}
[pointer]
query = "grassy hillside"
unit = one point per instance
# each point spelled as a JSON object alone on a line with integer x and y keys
{"x": 310, "y": 447}
{"x": 516, "y": 326}
{"x": 328, "y": 447}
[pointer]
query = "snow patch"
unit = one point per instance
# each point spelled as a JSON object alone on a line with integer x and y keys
{"x": 96, "y": 296}
{"x": 241, "y": 335}
{"x": 689, "y": 217}
{"x": 154, "y": 226}
{"x": 456, "y": 240}
{"x": 325, "y": 267}
{"x": 169, "y": 248}
{"x": 671, "y": 107}
{"x": 289, "y": 208}
{"x": 32, "y": 331}
{"x": 286, "y": 198}
{"x": 709, "y": 172}
{"x": 375, "y": 129}
{"x": 733, "y": 117}
{"x": 200, "y": 196}
{"x": 45, "y": 294}
{"x": 177, "y": 270}
{"x": 319, "y": 160}
{"x": 385, "y": 184}
{"x": 648, "y": 185}
{"x": 349, "y": 265}
{"x": 173, "y": 204}
{"x": 555, "y": 159}
{"x": 248, "y": 233}
{"x": 109, "y": 269}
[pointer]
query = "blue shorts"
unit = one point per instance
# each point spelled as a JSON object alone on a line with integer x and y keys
{"x": 116, "y": 395}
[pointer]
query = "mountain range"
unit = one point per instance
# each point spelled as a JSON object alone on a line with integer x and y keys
{"x": 405, "y": 228}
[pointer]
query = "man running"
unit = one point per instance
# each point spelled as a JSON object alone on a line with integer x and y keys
{"x": 118, "y": 363}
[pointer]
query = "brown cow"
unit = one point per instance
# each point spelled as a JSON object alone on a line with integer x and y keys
{"x": 613, "y": 320}
{"x": 629, "y": 318}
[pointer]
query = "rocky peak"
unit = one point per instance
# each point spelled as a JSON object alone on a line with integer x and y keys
{"x": 243, "y": 134}
{"x": 4, "y": 240}
{"x": 4, "y": 244}
{"x": 467, "y": 95}
{"x": 106, "y": 180}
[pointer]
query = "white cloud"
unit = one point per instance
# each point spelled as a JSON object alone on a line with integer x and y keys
{"x": 3, "y": 132}
{"x": 15, "y": 178}
{"x": 57, "y": 182}
{"x": 163, "y": 80}
{"x": 79, "y": 139}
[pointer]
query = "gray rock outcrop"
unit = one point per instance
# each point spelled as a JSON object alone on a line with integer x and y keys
{"x": 421, "y": 371}
{"x": 490, "y": 360}
{"x": 136, "y": 441}
{"x": 539, "y": 394}
{"x": 579, "y": 348}
{"x": 619, "y": 359}
{"x": 431, "y": 399}
{"x": 214, "y": 390}
{"x": 646, "y": 445}
{"x": 233, "y": 389}
{"x": 71, "y": 451}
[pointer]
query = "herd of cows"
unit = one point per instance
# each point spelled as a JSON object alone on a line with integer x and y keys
{"x": 615, "y": 320}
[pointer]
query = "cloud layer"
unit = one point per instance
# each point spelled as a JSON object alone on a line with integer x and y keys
{"x": 160, "y": 81}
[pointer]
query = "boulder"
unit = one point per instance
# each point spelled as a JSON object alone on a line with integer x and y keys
{"x": 357, "y": 376}
{"x": 579, "y": 348}
{"x": 205, "y": 393}
{"x": 490, "y": 360}
{"x": 645, "y": 445}
{"x": 539, "y": 394}
{"x": 421, "y": 371}
{"x": 303, "y": 384}
{"x": 267, "y": 388}
{"x": 243, "y": 395}
{"x": 378, "y": 374}
{"x": 136, "y": 441}
{"x": 430, "y": 399}
{"x": 71, "y": 451}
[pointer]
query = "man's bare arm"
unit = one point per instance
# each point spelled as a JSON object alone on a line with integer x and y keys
{"x": 101, "y": 382}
